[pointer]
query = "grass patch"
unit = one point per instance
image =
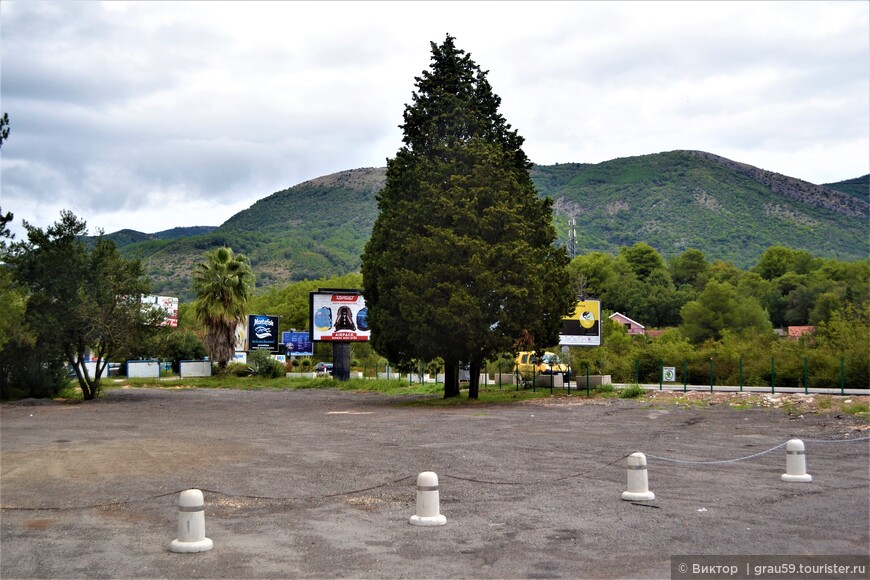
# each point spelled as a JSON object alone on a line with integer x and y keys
{"x": 70, "y": 393}
{"x": 862, "y": 409}
{"x": 632, "y": 392}
{"x": 427, "y": 394}
{"x": 486, "y": 396}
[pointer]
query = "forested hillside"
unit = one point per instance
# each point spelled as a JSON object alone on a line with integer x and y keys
{"x": 858, "y": 187}
{"x": 672, "y": 201}
{"x": 691, "y": 199}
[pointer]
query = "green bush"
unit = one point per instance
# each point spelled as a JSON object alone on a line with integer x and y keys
{"x": 235, "y": 369}
{"x": 261, "y": 364}
{"x": 632, "y": 392}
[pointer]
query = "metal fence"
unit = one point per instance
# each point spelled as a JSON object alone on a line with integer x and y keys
{"x": 712, "y": 375}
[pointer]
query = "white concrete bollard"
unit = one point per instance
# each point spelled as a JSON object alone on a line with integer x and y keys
{"x": 638, "y": 481}
{"x": 191, "y": 524}
{"x": 796, "y": 462}
{"x": 428, "y": 502}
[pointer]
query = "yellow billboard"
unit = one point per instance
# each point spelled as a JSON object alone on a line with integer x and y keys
{"x": 583, "y": 327}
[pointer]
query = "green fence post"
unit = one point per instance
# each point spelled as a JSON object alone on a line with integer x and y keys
{"x": 566, "y": 379}
{"x": 685, "y": 374}
{"x": 842, "y": 376}
{"x": 806, "y": 376}
{"x": 741, "y": 373}
{"x": 485, "y": 374}
{"x": 499, "y": 375}
{"x": 711, "y": 375}
{"x": 772, "y": 376}
{"x": 552, "y": 378}
{"x": 637, "y": 370}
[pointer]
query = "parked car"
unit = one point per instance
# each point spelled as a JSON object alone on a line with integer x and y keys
{"x": 323, "y": 369}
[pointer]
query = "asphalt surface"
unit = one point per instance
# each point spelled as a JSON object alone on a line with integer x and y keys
{"x": 321, "y": 484}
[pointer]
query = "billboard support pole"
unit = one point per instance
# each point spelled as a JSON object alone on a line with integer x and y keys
{"x": 341, "y": 360}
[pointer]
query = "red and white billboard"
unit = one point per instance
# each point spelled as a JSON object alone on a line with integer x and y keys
{"x": 168, "y": 304}
{"x": 338, "y": 316}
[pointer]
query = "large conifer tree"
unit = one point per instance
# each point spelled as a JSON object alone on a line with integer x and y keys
{"x": 461, "y": 262}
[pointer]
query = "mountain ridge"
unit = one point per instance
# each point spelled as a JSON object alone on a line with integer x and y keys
{"x": 672, "y": 201}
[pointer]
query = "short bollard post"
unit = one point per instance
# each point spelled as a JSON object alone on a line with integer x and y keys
{"x": 428, "y": 502}
{"x": 796, "y": 462}
{"x": 638, "y": 481}
{"x": 191, "y": 524}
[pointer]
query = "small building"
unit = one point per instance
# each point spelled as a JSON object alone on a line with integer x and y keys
{"x": 795, "y": 332}
{"x": 633, "y": 327}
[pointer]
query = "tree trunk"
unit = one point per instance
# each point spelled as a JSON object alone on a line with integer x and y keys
{"x": 341, "y": 361}
{"x": 474, "y": 379}
{"x": 451, "y": 378}
{"x": 84, "y": 379}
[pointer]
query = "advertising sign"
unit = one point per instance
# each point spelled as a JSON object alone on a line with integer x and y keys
{"x": 297, "y": 343}
{"x": 338, "y": 315}
{"x": 669, "y": 374}
{"x": 241, "y": 337}
{"x": 168, "y": 304}
{"x": 263, "y": 332}
{"x": 583, "y": 328}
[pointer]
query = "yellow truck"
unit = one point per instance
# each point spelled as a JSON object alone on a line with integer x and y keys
{"x": 529, "y": 365}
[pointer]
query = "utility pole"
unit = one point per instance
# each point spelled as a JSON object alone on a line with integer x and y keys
{"x": 572, "y": 238}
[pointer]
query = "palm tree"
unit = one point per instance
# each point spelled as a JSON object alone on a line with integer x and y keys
{"x": 223, "y": 285}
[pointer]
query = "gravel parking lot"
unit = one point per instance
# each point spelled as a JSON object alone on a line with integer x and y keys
{"x": 321, "y": 483}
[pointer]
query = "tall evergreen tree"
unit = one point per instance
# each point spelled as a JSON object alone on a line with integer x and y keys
{"x": 223, "y": 285}
{"x": 461, "y": 263}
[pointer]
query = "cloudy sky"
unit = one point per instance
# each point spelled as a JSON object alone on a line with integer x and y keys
{"x": 154, "y": 115}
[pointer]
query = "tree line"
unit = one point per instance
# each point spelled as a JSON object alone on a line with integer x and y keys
{"x": 461, "y": 267}
{"x": 786, "y": 287}
{"x": 714, "y": 311}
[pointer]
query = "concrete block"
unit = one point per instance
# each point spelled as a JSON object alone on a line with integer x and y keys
{"x": 195, "y": 368}
{"x": 143, "y": 369}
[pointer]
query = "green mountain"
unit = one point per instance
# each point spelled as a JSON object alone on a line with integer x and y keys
{"x": 672, "y": 201}
{"x": 127, "y": 237}
{"x": 858, "y": 187}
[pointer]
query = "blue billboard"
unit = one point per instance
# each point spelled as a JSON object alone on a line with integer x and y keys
{"x": 263, "y": 332}
{"x": 297, "y": 343}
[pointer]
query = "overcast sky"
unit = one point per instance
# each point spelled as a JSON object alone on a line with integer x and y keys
{"x": 154, "y": 115}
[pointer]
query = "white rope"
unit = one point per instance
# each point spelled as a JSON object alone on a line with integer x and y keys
{"x": 717, "y": 461}
{"x": 754, "y": 455}
{"x": 835, "y": 440}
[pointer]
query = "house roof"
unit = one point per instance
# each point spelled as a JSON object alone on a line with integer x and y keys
{"x": 626, "y": 318}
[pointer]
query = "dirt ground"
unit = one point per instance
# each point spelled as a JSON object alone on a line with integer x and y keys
{"x": 321, "y": 483}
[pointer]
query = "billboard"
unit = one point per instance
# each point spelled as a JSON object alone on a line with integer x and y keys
{"x": 241, "y": 336}
{"x": 583, "y": 327}
{"x": 263, "y": 332}
{"x": 338, "y": 316}
{"x": 169, "y": 306}
{"x": 297, "y": 343}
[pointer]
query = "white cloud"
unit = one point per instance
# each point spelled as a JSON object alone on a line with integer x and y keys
{"x": 150, "y": 115}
